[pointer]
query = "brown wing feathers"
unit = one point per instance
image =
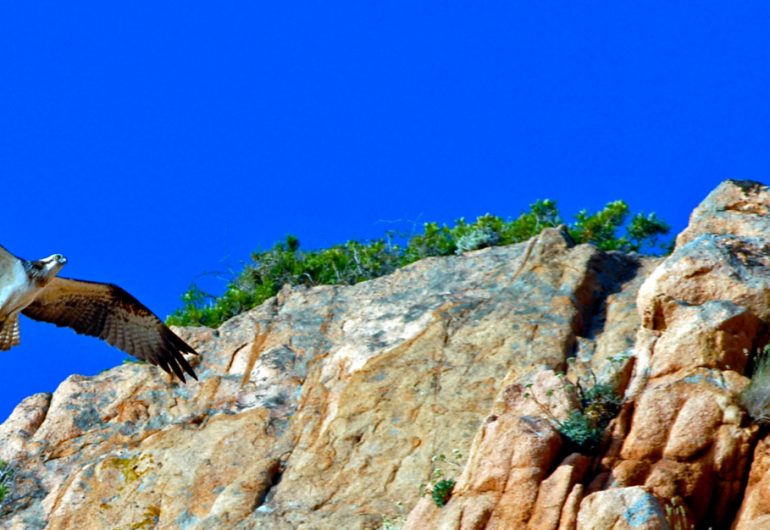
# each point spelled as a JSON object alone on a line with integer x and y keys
{"x": 106, "y": 311}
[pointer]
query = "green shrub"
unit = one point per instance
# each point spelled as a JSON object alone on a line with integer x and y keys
{"x": 442, "y": 492}
{"x": 581, "y": 430}
{"x": 584, "y": 428}
{"x": 357, "y": 261}
{"x": 601, "y": 228}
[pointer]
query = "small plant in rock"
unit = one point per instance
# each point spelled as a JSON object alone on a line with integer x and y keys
{"x": 442, "y": 492}
{"x": 6, "y": 476}
{"x": 440, "y": 487}
{"x": 598, "y": 405}
{"x": 584, "y": 427}
{"x": 581, "y": 430}
{"x": 756, "y": 396}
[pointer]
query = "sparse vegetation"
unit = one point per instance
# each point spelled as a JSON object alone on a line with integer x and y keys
{"x": 440, "y": 486}
{"x": 581, "y": 431}
{"x": 357, "y": 261}
{"x": 584, "y": 427}
{"x": 756, "y": 396}
{"x": 6, "y": 476}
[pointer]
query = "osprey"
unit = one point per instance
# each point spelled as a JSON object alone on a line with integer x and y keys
{"x": 98, "y": 309}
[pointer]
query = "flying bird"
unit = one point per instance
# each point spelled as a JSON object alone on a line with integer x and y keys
{"x": 102, "y": 310}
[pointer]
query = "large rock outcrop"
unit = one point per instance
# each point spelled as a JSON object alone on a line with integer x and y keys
{"x": 329, "y": 407}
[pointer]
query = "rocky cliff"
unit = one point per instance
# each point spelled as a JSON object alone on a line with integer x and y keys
{"x": 330, "y": 407}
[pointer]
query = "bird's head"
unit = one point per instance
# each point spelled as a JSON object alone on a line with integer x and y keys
{"x": 49, "y": 267}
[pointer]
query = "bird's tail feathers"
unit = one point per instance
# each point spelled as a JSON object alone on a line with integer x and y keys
{"x": 10, "y": 335}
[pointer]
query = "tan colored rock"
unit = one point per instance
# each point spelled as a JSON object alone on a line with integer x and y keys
{"x": 217, "y": 468}
{"x": 755, "y": 509}
{"x": 704, "y": 308}
{"x": 621, "y": 509}
{"x": 508, "y": 460}
{"x": 735, "y": 207}
{"x": 512, "y": 469}
{"x": 709, "y": 268}
{"x": 683, "y": 436}
{"x": 569, "y": 513}
{"x": 554, "y": 491}
{"x": 619, "y": 322}
{"x": 326, "y": 407}
{"x": 760, "y": 523}
{"x": 677, "y": 415}
{"x": 22, "y": 424}
{"x": 717, "y": 334}
{"x": 687, "y": 440}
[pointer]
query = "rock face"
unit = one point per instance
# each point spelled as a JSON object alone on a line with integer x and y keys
{"x": 329, "y": 407}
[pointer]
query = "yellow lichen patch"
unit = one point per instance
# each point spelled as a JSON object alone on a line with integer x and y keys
{"x": 151, "y": 516}
{"x": 129, "y": 467}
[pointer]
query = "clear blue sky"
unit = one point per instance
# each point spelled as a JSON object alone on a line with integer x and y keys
{"x": 154, "y": 142}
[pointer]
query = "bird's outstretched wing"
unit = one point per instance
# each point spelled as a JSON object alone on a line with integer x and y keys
{"x": 7, "y": 262}
{"x": 5, "y": 255}
{"x": 106, "y": 311}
